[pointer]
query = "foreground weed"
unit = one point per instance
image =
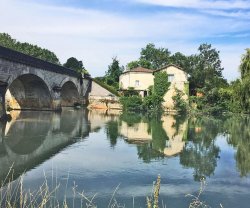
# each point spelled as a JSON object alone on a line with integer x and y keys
{"x": 153, "y": 201}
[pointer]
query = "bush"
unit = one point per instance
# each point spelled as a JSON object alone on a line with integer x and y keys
{"x": 179, "y": 103}
{"x": 161, "y": 84}
{"x": 152, "y": 102}
{"x": 130, "y": 92}
{"x": 132, "y": 103}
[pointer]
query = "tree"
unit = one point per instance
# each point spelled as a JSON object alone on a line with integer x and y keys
{"x": 180, "y": 60}
{"x": 133, "y": 64}
{"x": 245, "y": 64}
{"x": 73, "y": 63}
{"x": 157, "y": 57}
{"x": 205, "y": 69}
{"x": 142, "y": 63}
{"x": 113, "y": 73}
{"x": 244, "y": 90}
{"x": 33, "y": 50}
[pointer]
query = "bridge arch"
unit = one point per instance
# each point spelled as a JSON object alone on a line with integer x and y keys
{"x": 69, "y": 93}
{"x": 28, "y": 91}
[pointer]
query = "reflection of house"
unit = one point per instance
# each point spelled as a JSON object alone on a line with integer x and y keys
{"x": 175, "y": 143}
{"x": 140, "y": 79}
{"x": 138, "y": 132}
{"x": 99, "y": 117}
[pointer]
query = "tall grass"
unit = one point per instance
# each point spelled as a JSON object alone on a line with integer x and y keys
{"x": 14, "y": 195}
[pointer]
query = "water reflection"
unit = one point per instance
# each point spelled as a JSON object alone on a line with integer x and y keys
{"x": 155, "y": 137}
{"x": 33, "y": 137}
{"x": 105, "y": 148}
{"x": 200, "y": 151}
{"x": 238, "y": 131}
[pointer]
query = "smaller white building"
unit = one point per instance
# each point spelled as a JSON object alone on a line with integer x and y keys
{"x": 140, "y": 79}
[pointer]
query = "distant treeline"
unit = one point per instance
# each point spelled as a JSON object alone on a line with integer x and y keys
{"x": 33, "y": 50}
{"x": 204, "y": 68}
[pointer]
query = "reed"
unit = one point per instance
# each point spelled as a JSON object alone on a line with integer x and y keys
{"x": 14, "y": 195}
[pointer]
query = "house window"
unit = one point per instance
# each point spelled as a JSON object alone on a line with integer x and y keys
{"x": 170, "y": 77}
{"x": 137, "y": 83}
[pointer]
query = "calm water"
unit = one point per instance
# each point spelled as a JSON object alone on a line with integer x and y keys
{"x": 98, "y": 150}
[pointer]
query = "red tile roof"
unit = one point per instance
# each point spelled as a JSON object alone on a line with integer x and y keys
{"x": 140, "y": 69}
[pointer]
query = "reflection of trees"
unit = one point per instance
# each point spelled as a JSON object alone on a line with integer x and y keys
{"x": 146, "y": 152}
{"x": 179, "y": 121}
{"x": 112, "y": 132}
{"x": 200, "y": 152}
{"x": 159, "y": 135}
{"x": 112, "y": 127}
{"x": 131, "y": 118}
{"x": 239, "y": 136}
{"x": 155, "y": 148}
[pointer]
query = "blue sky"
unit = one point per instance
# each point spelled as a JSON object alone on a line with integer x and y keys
{"x": 97, "y": 30}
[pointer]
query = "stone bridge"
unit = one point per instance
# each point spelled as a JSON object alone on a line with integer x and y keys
{"x": 28, "y": 83}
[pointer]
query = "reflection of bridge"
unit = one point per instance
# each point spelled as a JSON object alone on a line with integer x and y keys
{"x": 30, "y": 83}
{"x": 36, "y": 136}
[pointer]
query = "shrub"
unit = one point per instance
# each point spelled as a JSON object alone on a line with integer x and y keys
{"x": 152, "y": 102}
{"x": 132, "y": 103}
{"x": 179, "y": 103}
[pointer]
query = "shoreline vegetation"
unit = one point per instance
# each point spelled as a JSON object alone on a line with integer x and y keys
{"x": 13, "y": 194}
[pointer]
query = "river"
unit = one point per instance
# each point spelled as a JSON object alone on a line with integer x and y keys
{"x": 105, "y": 152}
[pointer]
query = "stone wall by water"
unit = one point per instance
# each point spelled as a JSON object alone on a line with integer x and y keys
{"x": 100, "y": 98}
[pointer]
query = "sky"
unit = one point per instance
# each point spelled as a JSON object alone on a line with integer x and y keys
{"x": 94, "y": 31}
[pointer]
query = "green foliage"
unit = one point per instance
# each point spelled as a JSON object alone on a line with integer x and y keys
{"x": 157, "y": 92}
{"x": 151, "y": 58}
{"x": 244, "y": 89}
{"x": 245, "y": 64}
{"x": 180, "y": 105}
{"x": 142, "y": 63}
{"x": 161, "y": 84}
{"x": 205, "y": 75}
{"x": 73, "y": 63}
{"x": 180, "y": 60}
{"x": 132, "y": 103}
{"x": 113, "y": 73}
{"x": 107, "y": 87}
{"x": 29, "y": 49}
{"x": 206, "y": 71}
{"x": 133, "y": 64}
{"x": 130, "y": 92}
{"x": 152, "y": 102}
{"x": 244, "y": 92}
{"x": 157, "y": 57}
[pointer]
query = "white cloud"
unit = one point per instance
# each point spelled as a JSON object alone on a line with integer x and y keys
{"x": 96, "y": 36}
{"x": 200, "y": 4}
{"x": 233, "y": 14}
